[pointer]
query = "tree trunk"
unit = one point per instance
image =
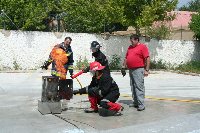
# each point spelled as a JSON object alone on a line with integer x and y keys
{"x": 137, "y": 29}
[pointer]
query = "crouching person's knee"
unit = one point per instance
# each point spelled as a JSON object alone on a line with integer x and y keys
{"x": 90, "y": 92}
{"x": 94, "y": 91}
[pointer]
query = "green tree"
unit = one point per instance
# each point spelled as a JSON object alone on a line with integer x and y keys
{"x": 26, "y": 15}
{"x": 193, "y": 5}
{"x": 195, "y": 25}
{"x": 142, "y": 13}
{"x": 91, "y": 15}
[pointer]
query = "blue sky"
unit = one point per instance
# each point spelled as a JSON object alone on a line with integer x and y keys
{"x": 183, "y": 2}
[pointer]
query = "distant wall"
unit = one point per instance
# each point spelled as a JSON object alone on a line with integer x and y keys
{"x": 174, "y": 52}
{"x": 182, "y": 35}
{"x": 29, "y": 50}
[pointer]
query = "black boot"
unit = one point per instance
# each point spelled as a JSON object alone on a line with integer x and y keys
{"x": 90, "y": 110}
{"x": 105, "y": 112}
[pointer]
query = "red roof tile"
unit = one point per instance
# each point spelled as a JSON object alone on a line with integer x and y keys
{"x": 182, "y": 18}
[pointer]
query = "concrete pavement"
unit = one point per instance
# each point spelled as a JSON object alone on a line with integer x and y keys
{"x": 20, "y": 92}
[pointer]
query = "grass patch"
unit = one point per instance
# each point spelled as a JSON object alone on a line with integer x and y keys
{"x": 192, "y": 66}
{"x": 158, "y": 65}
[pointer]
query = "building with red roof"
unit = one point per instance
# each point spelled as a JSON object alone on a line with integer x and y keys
{"x": 179, "y": 26}
{"x": 182, "y": 19}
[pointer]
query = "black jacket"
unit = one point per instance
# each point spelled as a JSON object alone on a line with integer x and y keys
{"x": 101, "y": 58}
{"x": 105, "y": 85}
{"x": 104, "y": 88}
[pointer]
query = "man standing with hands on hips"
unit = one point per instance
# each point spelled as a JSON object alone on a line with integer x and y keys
{"x": 137, "y": 60}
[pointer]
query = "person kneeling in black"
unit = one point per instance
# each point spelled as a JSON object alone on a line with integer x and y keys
{"x": 102, "y": 91}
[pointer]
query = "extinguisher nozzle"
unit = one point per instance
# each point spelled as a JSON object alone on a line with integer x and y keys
{"x": 77, "y": 74}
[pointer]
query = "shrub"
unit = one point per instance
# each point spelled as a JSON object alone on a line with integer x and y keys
{"x": 158, "y": 65}
{"x": 192, "y": 66}
{"x": 159, "y": 32}
{"x": 115, "y": 63}
{"x": 16, "y": 65}
{"x": 82, "y": 63}
{"x": 195, "y": 26}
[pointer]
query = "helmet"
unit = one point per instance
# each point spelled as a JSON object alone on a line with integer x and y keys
{"x": 95, "y": 45}
{"x": 95, "y": 66}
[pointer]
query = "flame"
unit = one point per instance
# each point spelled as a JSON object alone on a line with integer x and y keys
{"x": 60, "y": 58}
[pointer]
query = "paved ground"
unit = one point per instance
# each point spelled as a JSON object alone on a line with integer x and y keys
{"x": 20, "y": 92}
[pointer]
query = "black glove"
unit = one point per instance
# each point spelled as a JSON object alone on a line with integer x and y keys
{"x": 71, "y": 71}
{"x": 123, "y": 71}
{"x": 86, "y": 70}
{"x": 45, "y": 65}
{"x": 76, "y": 92}
{"x": 80, "y": 91}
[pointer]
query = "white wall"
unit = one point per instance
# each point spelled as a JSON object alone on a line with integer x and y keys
{"x": 174, "y": 52}
{"x": 31, "y": 49}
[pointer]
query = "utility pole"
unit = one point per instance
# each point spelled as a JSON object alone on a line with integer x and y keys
{"x": 57, "y": 22}
{"x": 6, "y": 16}
{"x": 3, "y": 16}
{"x": 181, "y": 32}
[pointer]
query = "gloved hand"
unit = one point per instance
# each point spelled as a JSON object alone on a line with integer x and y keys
{"x": 76, "y": 92}
{"x": 80, "y": 91}
{"x": 71, "y": 71}
{"x": 123, "y": 71}
{"x": 86, "y": 70}
{"x": 45, "y": 65}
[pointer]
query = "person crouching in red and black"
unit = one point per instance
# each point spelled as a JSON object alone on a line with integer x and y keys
{"x": 102, "y": 91}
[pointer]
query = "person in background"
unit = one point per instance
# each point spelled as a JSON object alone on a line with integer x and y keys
{"x": 65, "y": 46}
{"x": 137, "y": 60}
